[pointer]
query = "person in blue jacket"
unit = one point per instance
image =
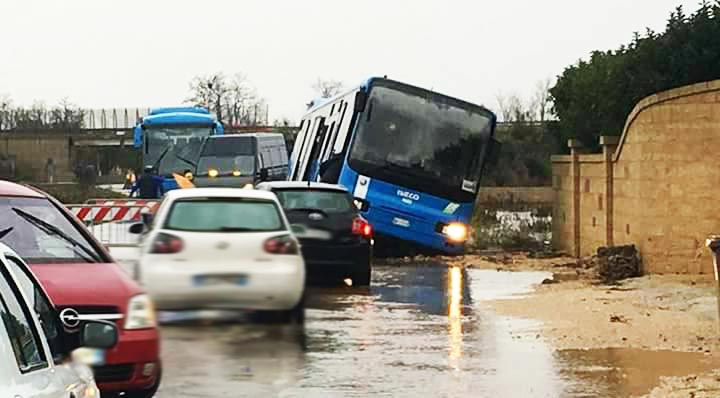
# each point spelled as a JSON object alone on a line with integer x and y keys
{"x": 149, "y": 185}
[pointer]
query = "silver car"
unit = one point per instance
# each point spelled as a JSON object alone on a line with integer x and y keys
{"x": 40, "y": 354}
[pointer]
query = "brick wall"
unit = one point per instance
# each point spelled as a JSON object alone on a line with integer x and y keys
{"x": 656, "y": 187}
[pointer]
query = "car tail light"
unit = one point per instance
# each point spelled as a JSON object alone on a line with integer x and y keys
{"x": 361, "y": 227}
{"x": 167, "y": 244}
{"x": 285, "y": 244}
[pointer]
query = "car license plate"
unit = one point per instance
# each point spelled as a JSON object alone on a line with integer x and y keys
{"x": 89, "y": 356}
{"x": 312, "y": 233}
{"x": 214, "y": 280}
{"x": 401, "y": 222}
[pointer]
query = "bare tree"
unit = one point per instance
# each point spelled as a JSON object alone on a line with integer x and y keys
{"x": 327, "y": 88}
{"x": 503, "y": 109}
{"x": 512, "y": 108}
{"x": 241, "y": 102}
{"x": 231, "y": 98}
{"x": 541, "y": 100}
{"x": 5, "y": 112}
{"x": 209, "y": 91}
{"x": 66, "y": 115}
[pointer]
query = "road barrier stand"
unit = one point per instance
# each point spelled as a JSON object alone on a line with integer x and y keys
{"x": 110, "y": 220}
{"x": 713, "y": 243}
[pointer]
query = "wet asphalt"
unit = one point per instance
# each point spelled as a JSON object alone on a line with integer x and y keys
{"x": 418, "y": 331}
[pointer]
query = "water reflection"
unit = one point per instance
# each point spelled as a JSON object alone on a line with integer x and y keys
{"x": 455, "y": 282}
{"x": 429, "y": 289}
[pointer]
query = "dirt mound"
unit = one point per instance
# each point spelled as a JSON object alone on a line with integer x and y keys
{"x": 617, "y": 263}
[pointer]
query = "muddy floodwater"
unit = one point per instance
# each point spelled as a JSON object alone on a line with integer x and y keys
{"x": 417, "y": 332}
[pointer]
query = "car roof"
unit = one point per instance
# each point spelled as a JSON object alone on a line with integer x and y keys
{"x": 302, "y": 185}
{"x": 8, "y": 188}
{"x": 220, "y": 193}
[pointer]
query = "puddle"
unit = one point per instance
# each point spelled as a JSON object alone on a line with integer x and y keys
{"x": 622, "y": 372}
{"x": 416, "y": 332}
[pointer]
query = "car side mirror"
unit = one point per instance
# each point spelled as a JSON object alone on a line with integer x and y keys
{"x": 263, "y": 174}
{"x": 137, "y": 229}
{"x": 147, "y": 217}
{"x": 98, "y": 334}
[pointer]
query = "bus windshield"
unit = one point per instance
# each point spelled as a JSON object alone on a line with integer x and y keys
{"x": 423, "y": 141}
{"x": 174, "y": 149}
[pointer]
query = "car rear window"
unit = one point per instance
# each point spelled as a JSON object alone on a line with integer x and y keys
{"x": 325, "y": 200}
{"x": 224, "y": 215}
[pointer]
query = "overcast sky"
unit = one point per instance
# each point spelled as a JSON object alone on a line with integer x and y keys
{"x": 134, "y": 53}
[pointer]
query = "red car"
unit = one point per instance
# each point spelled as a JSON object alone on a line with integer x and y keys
{"x": 84, "y": 282}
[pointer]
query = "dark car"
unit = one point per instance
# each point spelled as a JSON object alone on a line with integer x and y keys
{"x": 336, "y": 241}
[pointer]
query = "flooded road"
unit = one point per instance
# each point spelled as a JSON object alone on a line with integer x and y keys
{"x": 418, "y": 331}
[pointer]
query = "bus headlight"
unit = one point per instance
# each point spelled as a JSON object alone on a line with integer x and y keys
{"x": 456, "y": 232}
{"x": 213, "y": 173}
{"x": 236, "y": 173}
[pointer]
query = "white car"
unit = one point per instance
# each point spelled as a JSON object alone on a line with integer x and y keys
{"x": 222, "y": 248}
{"x": 38, "y": 356}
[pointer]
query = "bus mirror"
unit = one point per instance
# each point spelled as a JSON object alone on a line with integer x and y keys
{"x": 262, "y": 174}
{"x": 360, "y": 100}
{"x": 494, "y": 152}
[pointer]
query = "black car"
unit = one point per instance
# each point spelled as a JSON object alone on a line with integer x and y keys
{"x": 336, "y": 241}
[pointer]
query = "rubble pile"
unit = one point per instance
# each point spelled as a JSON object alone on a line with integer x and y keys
{"x": 617, "y": 263}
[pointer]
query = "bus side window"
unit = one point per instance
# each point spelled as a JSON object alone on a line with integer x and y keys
{"x": 342, "y": 131}
{"x": 309, "y": 146}
{"x": 300, "y": 149}
{"x": 326, "y": 145}
{"x": 314, "y": 150}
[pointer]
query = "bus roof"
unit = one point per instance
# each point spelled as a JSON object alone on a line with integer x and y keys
{"x": 182, "y": 109}
{"x": 179, "y": 118}
{"x": 367, "y": 83}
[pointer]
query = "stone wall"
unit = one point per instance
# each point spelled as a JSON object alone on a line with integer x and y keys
{"x": 32, "y": 151}
{"x": 655, "y": 187}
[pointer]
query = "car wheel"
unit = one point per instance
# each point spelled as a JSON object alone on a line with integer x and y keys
{"x": 362, "y": 278}
{"x": 147, "y": 393}
{"x": 296, "y": 315}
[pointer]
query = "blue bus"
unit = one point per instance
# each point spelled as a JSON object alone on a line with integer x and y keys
{"x": 170, "y": 139}
{"x": 412, "y": 158}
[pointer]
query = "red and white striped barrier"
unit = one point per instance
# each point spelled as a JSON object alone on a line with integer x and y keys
{"x": 112, "y": 211}
{"x": 124, "y": 202}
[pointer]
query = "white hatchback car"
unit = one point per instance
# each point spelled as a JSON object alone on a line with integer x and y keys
{"x": 222, "y": 248}
{"x": 38, "y": 345}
